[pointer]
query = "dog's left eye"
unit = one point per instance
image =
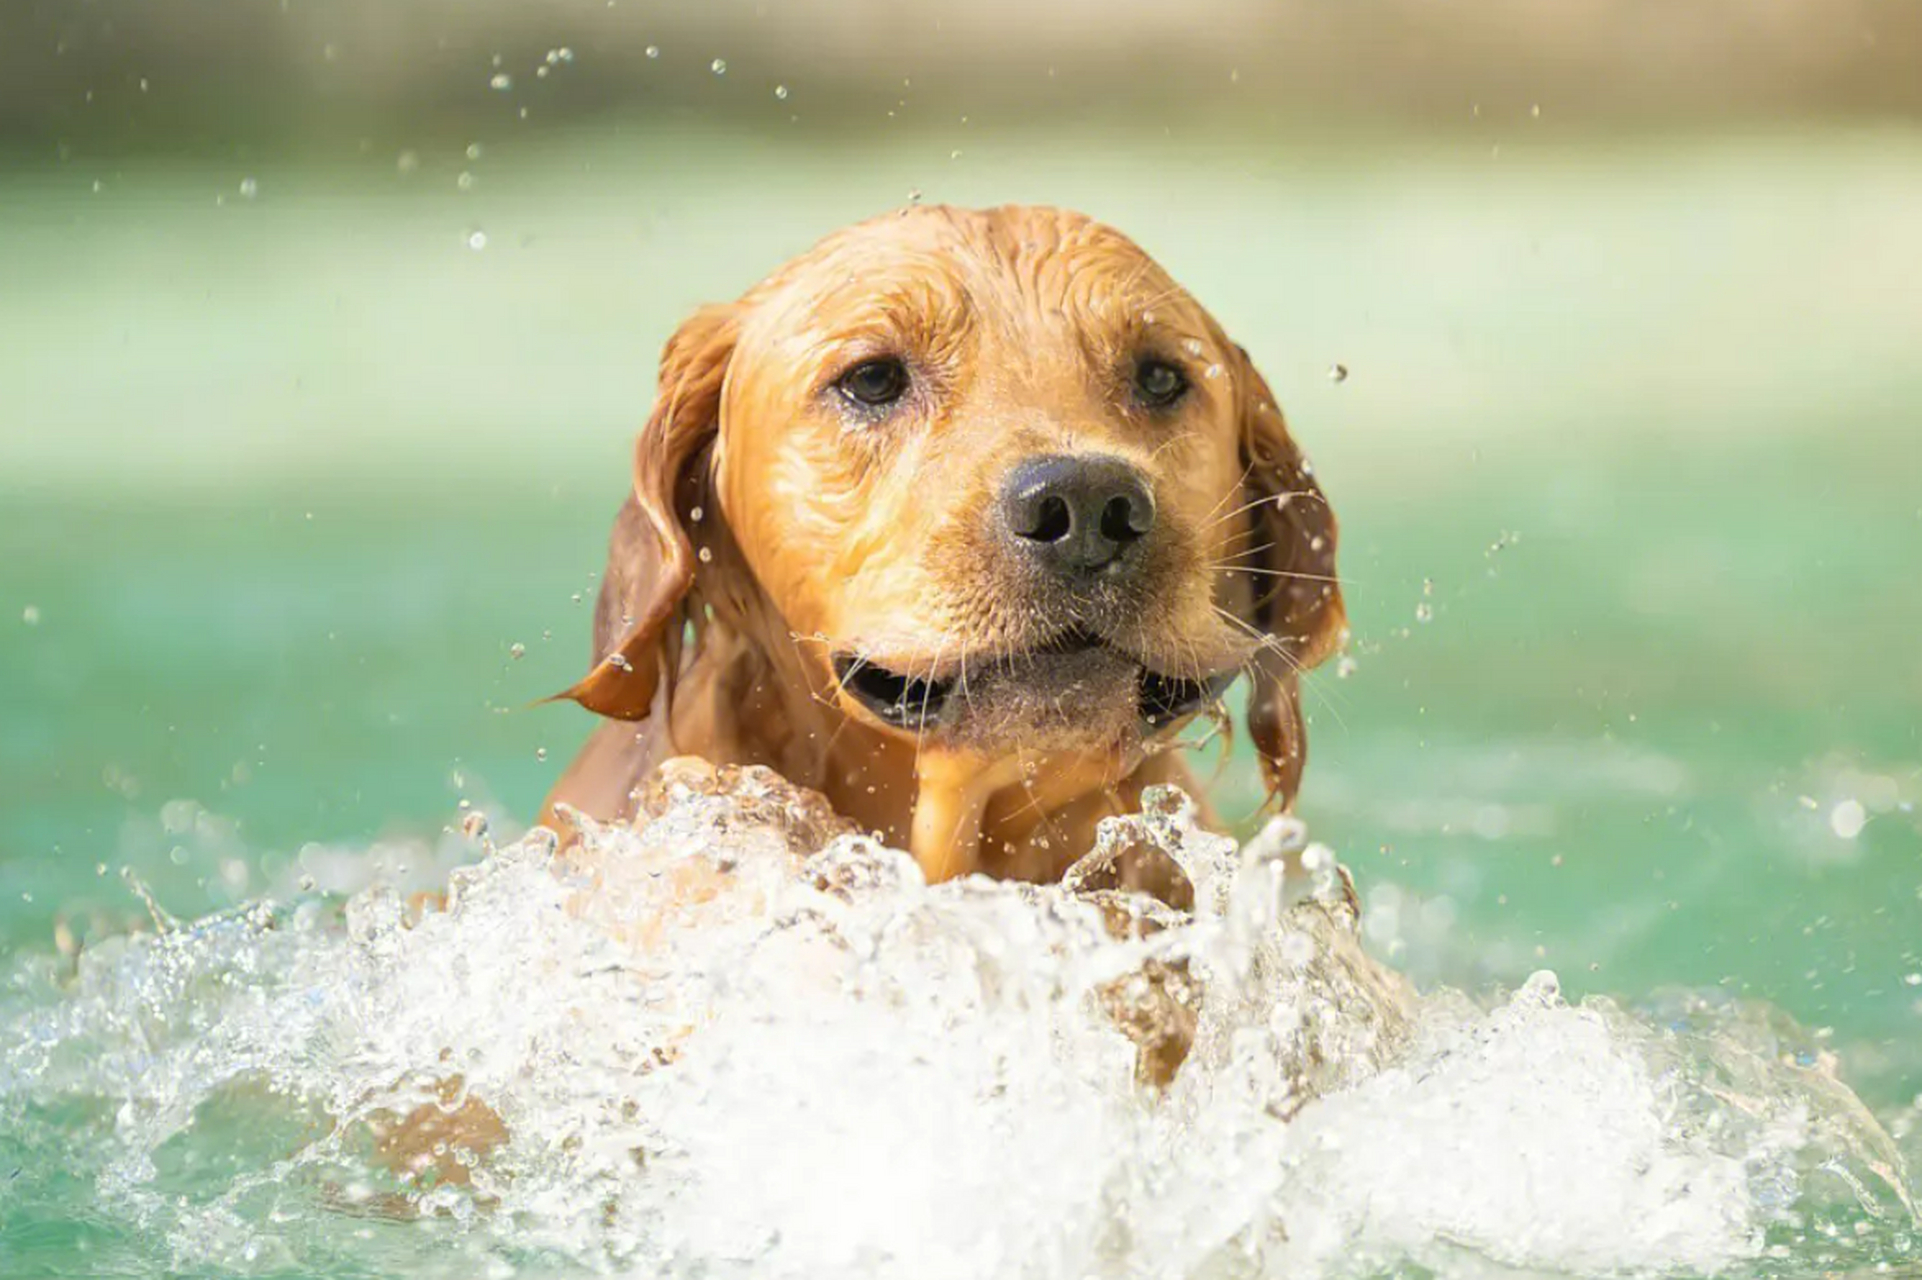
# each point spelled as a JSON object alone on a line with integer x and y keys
{"x": 1158, "y": 383}
{"x": 875, "y": 383}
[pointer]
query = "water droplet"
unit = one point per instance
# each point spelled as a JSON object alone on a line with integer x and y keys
{"x": 501, "y": 82}
{"x": 465, "y": 182}
{"x": 1337, "y": 373}
{"x": 695, "y": 515}
{"x": 473, "y": 151}
{"x": 718, "y": 66}
{"x": 1345, "y": 666}
{"x": 477, "y": 239}
{"x": 249, "y": 188}
{"x": 707, "y": 555}
{"x": 780, "y": 91}
{"x": 1424, "y": 612}
{"x": 1192, "y": 346}
{"x": 517, "y": 650}
{"x": 31, "y": 615}
{"x": 1211, "y": 372}
{"x": 540, "y": 753}
{"x": 653, "y": 51}
{"x": 1848, "y": 818}
{"x": 914, "y": 196}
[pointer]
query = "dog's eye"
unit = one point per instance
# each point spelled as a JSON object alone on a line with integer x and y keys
{"x": 875, "y": 383}
{"x": 1158, "y": 383}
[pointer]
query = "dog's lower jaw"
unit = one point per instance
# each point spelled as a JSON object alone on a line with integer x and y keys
{"x": 1024, "y": 816}
{"x": 952, "y": 789}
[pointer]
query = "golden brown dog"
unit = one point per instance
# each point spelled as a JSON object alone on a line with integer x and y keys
{"x": 958, "y": 518}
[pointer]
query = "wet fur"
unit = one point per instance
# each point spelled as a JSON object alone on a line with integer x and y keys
{"x": 764, "y": 533}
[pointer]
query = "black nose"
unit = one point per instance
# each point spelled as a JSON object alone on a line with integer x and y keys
{"x": 1076, "y": 515}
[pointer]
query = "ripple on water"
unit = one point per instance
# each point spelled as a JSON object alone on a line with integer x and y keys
{"x": 741, "y": 1041}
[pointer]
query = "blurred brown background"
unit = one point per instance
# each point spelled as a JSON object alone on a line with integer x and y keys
{"x": 198, "y": 76}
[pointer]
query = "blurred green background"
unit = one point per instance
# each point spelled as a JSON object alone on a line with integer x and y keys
{"x": 324, "y": 329}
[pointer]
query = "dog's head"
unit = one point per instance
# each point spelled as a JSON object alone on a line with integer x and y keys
{"x": 993, "y": 478}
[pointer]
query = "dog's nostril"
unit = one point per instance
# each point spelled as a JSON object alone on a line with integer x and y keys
{"x": 1122, "y": 520}
{"x": 1052, "y": 521}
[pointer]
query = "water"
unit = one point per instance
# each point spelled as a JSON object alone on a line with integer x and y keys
{"x": 1633, "y": 425}
{"x": 725, "y": 1047}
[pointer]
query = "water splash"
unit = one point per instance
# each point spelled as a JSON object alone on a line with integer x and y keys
{"x": 743, "y": 1040}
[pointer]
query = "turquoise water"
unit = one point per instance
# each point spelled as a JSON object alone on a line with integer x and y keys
{"x": 1628, "y": 459}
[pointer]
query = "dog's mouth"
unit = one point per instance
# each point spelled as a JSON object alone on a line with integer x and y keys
{"x": 926, "y": 701}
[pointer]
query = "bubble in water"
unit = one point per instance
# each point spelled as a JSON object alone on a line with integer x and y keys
{"x": 1345, "y": 667}
{"x": 653, "y": 51}
{"x": 31, "y": 615}
{"x": 1337, "y": 373}
{"x": 517, "y": 650}
{"x": 706, "y": 555}
{"x": 477, "y": 239}
{"x": 780, "y": 91}
{"x": 501, "y": 82}
{"x": 718, "y": 66}
{"x": 1424, "y": 612}
{"x": 473, "y": 151}
{"x": 407, "y": 162}
{"x": 1848, "y": 818}
{"x": 249, "y": 188}
{"x": 465, "y": 182}
{"x": 540, "y": 753}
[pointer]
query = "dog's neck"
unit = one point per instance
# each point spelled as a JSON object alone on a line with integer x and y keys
{"x": 753, "y": 699}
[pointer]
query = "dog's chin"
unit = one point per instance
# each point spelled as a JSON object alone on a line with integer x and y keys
{"x": 1074, "y": 692}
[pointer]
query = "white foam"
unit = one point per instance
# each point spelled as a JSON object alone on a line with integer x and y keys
{"x": 716, "y": 1056}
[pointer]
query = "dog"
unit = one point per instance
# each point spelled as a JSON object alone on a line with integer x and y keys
{"x": 958, "y": 518}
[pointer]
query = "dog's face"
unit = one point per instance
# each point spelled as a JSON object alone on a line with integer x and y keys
{"x": 1001, "y": 480}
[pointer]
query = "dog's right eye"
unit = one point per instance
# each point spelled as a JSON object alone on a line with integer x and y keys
{"x": 874, "y": 384}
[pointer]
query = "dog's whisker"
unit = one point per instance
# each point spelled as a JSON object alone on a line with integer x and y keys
{"x": 1344, "y": 583}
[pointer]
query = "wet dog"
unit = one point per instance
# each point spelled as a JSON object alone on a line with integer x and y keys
{"x": 958, "y": 518}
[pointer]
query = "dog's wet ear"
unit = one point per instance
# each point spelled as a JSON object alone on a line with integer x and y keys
{"x": 1296, "y": 595}
{"x": 641, "y": 615}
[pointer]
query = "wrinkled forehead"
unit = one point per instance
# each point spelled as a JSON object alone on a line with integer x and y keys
{"x": 929, "y": 276}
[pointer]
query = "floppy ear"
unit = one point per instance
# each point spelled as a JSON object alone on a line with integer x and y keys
{"x": 1297, "y": 598}
{"x": 642, "y": 612}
